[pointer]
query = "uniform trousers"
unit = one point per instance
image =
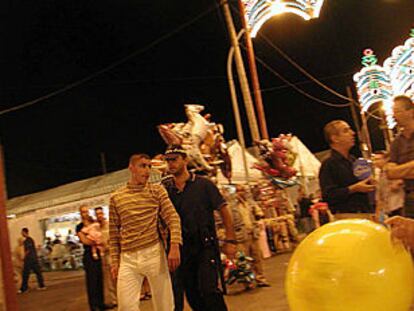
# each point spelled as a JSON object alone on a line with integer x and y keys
{"x": 197, "y": 277}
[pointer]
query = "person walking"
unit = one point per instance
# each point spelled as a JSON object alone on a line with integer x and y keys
{"x": 30, "y": 263}
{"x": 135, "y": 246}
{"x": 196, "y": 198}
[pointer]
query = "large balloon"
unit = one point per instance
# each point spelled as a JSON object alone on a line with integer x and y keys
{"x": 350, "y": 265}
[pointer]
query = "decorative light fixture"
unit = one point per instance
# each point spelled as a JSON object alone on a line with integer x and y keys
{"x": 259, "y": 12}
{"x": 374, "y": 85}
{"x": 382, "y": 83}
{"x": 400, "y": 67}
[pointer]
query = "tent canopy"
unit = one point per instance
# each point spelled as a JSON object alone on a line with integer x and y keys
{"x": 237, "y": 166}
{"x": 306, "y": 164}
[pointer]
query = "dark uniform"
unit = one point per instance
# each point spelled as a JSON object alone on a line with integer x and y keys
{"x": 198, "y": 273}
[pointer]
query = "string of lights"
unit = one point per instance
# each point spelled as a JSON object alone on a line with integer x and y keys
{"x": 115, "y": 64}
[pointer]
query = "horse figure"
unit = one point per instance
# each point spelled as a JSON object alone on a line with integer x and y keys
{"x": 202, "y": 139}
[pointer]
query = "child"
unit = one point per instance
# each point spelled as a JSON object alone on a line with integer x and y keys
{"x": 93, "y": 232}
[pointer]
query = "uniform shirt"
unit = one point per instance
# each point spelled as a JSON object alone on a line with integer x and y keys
{"x": 402, "y": 151}
{"x": 195, "y": 205}
{"x": 335, "y": 176}
{"x": 134, "y": 212}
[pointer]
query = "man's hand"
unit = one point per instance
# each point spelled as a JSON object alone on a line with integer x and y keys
{"x": 114, "y": 271}
{"x": 402, "y": 229}
{"x": 230, "y": 250}
{"x": 364, "y": 186}
{"x": 174, "y": 257}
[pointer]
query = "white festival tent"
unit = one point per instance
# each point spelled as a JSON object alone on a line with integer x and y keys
{"x": 237, "y": 169}
{"x": 29, "y": 210}
{"x": 307, "y": 165}
{"x": 32, "y": 209}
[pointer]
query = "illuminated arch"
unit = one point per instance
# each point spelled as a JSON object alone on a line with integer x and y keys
{"x": 374, "y": 85}
{"x": 259, "y": 12}
{"x": 396, "y": 77}
{"x": 400, "y": 67}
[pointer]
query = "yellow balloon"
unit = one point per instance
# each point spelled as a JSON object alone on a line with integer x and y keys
{"x": 350, "y": 265}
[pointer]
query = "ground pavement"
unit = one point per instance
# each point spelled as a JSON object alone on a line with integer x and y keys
{"x": 66, "y": 292}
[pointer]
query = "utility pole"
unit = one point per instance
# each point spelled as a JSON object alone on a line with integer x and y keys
{"x": 253, "y": 74}
{"x": 384, "y": 127}
{"x": 7, "y": 272}
{"x": 236, "y": 111}
{"x": 103, "y": 163}
{"x": 241, "y": 71}
{"x": 354, "y": 113}
{"x": 364, "y": 140}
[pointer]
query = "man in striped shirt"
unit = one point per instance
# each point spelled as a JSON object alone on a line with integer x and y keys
{"x": 135, "y": 247}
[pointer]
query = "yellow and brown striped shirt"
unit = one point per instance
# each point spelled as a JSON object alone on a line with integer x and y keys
{"x": 133, "y": 218}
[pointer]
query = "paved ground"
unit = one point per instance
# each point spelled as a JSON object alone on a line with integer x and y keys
{"x": 66, "y": 292}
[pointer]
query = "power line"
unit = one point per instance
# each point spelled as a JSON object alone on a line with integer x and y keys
{"x": 269, "y": 89}
{"x": 122, "y": 82}
{"x": 373, "y": 115}
{"x": 302, "y": 70}
{"x": 115, "y": 64}
{"x": 297, "y": 88}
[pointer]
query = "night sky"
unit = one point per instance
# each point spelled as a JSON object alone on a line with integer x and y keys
{"x": 53, "y": 43}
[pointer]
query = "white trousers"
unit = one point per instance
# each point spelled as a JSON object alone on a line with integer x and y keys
{"x": 150, "y": 262}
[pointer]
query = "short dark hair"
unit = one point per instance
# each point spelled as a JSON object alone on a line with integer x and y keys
{"x": 138, "y": 156}
{"x": 408, "y": 103}
{"x": 98, "y": 208}
{"x": 330, "y": 129}
{"x": 25, "y": 230}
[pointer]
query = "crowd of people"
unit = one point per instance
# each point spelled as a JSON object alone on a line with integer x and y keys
{"x": 168, "y": 227}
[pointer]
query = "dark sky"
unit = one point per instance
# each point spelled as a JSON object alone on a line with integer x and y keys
{"x": 52, "y": 43}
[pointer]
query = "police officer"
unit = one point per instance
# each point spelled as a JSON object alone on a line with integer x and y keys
{"x": 195, "y": 199}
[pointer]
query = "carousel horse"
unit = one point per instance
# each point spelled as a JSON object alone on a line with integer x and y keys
{"x": 202, "y": 139}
